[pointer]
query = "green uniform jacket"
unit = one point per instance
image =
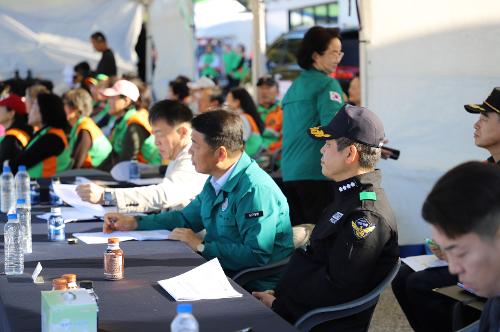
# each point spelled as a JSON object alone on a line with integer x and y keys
{"x": 247, "y": 223}
{"x": 313, "y": 100}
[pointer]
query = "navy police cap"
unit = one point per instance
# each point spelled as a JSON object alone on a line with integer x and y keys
{"x": 491, "y": 104}
{"x": 355, "y": 123}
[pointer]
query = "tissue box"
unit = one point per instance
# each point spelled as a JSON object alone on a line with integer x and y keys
{"x": 71, "y": 310}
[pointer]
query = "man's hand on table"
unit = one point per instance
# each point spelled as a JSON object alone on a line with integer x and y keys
{"x": 266, "y": 297}
{"x": 91, "y": 192}
{"x": 187, "y": 236}
{"x": 118, "y": 222}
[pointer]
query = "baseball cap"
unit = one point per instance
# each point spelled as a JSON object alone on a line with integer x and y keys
{"x": 356, "y": 123}
{"x": 267, "y": 80}
{"x": 491, "y": 104}
{"x": 124, "y": 88}
{"x": 202, "y": 83}
{"x": 14, "y": 102}
{"x": 95, "y": 79}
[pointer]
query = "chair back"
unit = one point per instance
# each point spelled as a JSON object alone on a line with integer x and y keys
{"x": 325, "y": 314}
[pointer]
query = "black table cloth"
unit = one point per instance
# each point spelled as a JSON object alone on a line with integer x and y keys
{"x": 136, "y": 303}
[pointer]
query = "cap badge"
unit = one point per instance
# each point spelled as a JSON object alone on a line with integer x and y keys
{"x": 316, "y": 132}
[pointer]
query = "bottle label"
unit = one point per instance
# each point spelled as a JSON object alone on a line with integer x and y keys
{"x": 113, "y": 266}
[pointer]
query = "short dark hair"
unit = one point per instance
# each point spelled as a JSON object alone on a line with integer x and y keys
{"x": 179, "y": 88}
{"x": 316, "y": 40}
{"x": 170, "y": 111}
{"x": 98, "y": 36}
{"x": 82, "y": 68}
{"x": 221, "y": 128}
{"x": 368, "y": 155}
{"x": 466, "y": 200}
{"x": 52, "y": 110}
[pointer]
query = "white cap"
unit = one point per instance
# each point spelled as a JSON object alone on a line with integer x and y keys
{"x": 202, "y": 83}
{"x": 124, "y": 88}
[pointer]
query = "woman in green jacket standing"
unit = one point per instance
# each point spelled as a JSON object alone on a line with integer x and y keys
{"x": 313, "y": 100}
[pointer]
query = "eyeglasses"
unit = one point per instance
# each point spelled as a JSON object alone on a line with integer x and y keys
{"x": 338, "y": 55}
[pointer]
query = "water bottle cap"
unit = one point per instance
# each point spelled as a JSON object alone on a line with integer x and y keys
{"x": 21, "y": 201}
{"x": 6, "y": 169}
{"x": 55, "y": 210}
{"x": 21, "y": 168}
{"x": 184, "y": 308}
{"x": 11, "y": 216}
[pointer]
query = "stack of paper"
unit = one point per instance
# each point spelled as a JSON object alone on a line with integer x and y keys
{"x": 100, "y": 237}
{"x": 419, "y": 263}
{"x": 67, "y": 192}
{"x": 206, "y": 281}
{"x": 70, "y": 214}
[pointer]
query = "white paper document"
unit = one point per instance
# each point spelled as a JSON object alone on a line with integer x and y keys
{"x": 67, "y": 192}
{"x": 70, "y": 214}
{"x": 206, "y": 281}
{"x": 422, "y": 262}
{"x": 100, "y": 237}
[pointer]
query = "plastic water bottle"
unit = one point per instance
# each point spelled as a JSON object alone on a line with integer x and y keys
{"x": 133, "y": 170}
{"x": 8, "y": 198}
{"x": 35, "y": 193}
{"x": 56, "y": 226}
{"x": 54, "y": 199}
{"x": 184, "y": 321}
{"x": 23, "y": 211}
{"x": 22, "y": 180}
{"x": 14, "y": 258}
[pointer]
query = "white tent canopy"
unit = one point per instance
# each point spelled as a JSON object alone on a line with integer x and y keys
{"x": 50, "y": 37}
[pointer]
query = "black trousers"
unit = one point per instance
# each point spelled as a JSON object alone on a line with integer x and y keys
{"x": 426, "y": 310}
{"x": 307, "y": 199}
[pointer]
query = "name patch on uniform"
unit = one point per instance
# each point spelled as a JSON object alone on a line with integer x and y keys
{"x": 335, "y": 96}
{"x": 362, "y": 228}
{"x": 255, "y": 214}
{"x": 336, "y": 217}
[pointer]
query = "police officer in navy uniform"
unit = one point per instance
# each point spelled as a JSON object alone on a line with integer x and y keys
{"x": 354, "y": 244}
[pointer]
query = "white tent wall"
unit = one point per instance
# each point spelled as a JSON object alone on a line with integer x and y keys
{"x": 52, "y": 35}
{"x": 422, "y": 61}
{"x": 171, "y": 29}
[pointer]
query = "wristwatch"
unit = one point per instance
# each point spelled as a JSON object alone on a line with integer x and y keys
{"x": 200, "y": 248}
{"x": 108, "y": 197}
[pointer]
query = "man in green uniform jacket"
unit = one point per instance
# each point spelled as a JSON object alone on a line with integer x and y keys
{"x": 244, "y": 213}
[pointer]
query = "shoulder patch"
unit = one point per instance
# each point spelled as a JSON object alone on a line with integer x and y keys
{"x": 335, "y": 96}
{"x": 362, "y": 228}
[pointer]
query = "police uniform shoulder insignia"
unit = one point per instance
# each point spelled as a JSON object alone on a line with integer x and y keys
{"x": 336, "y": 217}
{"x": 362, "y": 228}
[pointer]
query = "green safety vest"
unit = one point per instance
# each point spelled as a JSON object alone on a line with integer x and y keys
{"x": 54, "y": 164}
{"x": 208, "y": 59}
{"x": 150, "y": 151}
{"x": 100, "y": 148}
{"x": 119, "y": 130}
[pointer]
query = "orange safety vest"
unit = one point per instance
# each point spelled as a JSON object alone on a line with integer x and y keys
{"x": 141, "y": 118}
{"x": 20, "y": 135}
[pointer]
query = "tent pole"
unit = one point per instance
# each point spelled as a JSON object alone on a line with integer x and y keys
{"x": 258, "y": 40}
{"x": 149, "y": 46}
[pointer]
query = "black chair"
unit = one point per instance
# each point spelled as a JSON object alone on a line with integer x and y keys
{"x": 245, "y": 276}
{"x": 320, "y": 315}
